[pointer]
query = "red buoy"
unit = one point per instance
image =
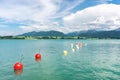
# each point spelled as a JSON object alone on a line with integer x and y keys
{"x": 18, "y": 66}
{"x": 38, "y": 56}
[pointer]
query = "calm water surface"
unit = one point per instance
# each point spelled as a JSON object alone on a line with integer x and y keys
{"x": 98, "y": 60}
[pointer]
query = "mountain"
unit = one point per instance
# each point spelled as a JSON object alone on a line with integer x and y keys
{"x": 89, "y": 34}
{"x": 43, "y": 33}
{"x": 76, "y": 33}
{"x": 102, "y": 34}
{"x": 118, "y": 29}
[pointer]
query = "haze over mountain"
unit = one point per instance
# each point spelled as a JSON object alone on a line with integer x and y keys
{"x": 43, "y": 33}
{"x": 88, "y": 33}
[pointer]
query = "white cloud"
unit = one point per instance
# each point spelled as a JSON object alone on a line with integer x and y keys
{"x": 65, "y": 7}
{"x": 100, "y": 17}
{"x": 5, "y": 33}
{"x": 41, "y": 27}
{"x": 36, "y": 10}
{"x": 41, "y": 13}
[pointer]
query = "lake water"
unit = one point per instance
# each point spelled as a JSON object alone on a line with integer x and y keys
{"x": 98, "y": 60}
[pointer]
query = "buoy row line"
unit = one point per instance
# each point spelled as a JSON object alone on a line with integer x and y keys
{"x": 18, "y": 66}
{"x": 75, "y": 46}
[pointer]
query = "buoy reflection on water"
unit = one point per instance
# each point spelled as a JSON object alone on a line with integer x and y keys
{"x": 18, "y": 72}
{"x": 37, "y": 59}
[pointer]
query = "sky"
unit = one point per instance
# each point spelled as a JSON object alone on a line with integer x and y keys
{"x": 21, "y": 16}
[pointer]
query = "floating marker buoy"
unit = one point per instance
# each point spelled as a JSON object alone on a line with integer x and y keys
{"x": 71, "y": 45}
{"x": 77, "y": 46}
{"x": 18, "y": 66}
{"x": 38, "y": 56}
{"x": 73, "y": 49}
{"x": 80, "y": 44}
{"x": 18, "y": 72}
{"x": 65, "y": 52}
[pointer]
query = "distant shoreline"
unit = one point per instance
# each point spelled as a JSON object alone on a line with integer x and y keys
{"x": 51, "y": 37}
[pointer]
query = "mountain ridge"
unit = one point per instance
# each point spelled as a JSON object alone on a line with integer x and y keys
{"x": 43, "y": 33}
{"x": 88, "y": 33}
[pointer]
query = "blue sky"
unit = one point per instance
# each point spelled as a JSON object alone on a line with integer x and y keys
{"x": 20, "y": 16}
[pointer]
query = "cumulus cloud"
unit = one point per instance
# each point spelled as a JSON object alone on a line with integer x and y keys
{"x": 5, "y": 33}
{"x": 43, "y": 27}
{"x": 44, "y": 15}
{"x": 39, "y": 11}
{"x": 100, "y": 17}
{"x": 36, "y": 10}
{"x": 36, "y": 14}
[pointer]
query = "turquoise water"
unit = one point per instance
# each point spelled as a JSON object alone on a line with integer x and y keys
{"x": 98, "y": 60}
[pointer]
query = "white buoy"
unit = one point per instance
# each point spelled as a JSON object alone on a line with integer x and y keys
{"x": 73, "y": 49}
{"x": 77, "y": 46}
{"x": 71, "y": 45}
